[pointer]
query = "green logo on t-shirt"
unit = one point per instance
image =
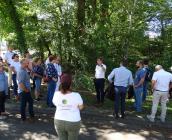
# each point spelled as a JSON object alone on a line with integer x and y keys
{"x": 64, "y": 101}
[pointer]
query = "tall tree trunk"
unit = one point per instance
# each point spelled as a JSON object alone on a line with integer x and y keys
{"x": 13, "y": 14}
{"x": 81, "y": 15}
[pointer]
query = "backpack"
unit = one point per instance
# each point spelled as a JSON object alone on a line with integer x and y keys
{"x": 149, "y": 74}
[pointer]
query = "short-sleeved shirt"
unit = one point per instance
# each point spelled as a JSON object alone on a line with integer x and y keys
{"x": 38, "y": 70}
{"x": 8, "y": 57}
{"x": 16, "y": 66}
{"x": 23, "y": 77}
{"x": 138, "y": 76}
{"x": 163, "y": 79}
{"x": 3, "y": 82}
{"x": 51, "y": 71}
{"x": 67, "y": 106}
{"x": 100, "y": 71}
{"x": 122, "y": 76}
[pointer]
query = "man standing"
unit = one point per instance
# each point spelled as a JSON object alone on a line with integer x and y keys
{"x": 138, "y": 85}
{"x": 59, "y": 71}
{"x": 148, "y": 78}
{"x": 122, "y": 79}
{"x": 160, "y": 86}
{"x": 100, "y": 80}
{"x": 25, "y": 90}
{"x": 8, "y": 59}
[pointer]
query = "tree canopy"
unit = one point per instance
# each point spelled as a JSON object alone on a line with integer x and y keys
{"x": 82, "y": 30}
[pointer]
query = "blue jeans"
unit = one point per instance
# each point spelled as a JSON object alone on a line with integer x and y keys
{"x": 145, "y": 90}
{"x": 51, "y": 90}
{"x": 138, "y": 99}
{"x": 38, "y": 84}
{"x": 15, "y": 86}
{"x": 24, "y": 99}
{"x": 120, "y": 93}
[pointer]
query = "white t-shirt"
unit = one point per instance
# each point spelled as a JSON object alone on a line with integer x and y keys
{"x": 67, "y": 106}
{"x": 16, "y": 65}
{"x": 8, "y": 57}
{"x": 100, "y": 71}
{"x": 163, "y": 79}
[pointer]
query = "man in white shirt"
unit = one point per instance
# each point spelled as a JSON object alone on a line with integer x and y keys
{"x": 160, "y": 85}
{"x": 100, "y": 80}
{"x": 15, "y": 67}
{"x": 8, "y": 60}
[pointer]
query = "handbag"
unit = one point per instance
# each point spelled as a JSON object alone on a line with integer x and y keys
{"x": 110, "y": 92}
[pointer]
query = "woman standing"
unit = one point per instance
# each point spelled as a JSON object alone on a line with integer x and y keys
{"x": 3, "y": 90}
{"x": 52, "y": 76}
{"x": 38, "y": 73}
{"x": 68, "y": 105}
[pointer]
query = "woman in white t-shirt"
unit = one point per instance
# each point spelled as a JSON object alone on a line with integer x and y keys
{"x": 68, "y": 105}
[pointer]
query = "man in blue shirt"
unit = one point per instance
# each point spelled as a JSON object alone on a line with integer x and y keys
{"x": 138, "y": 85}
{"x": 24, "y": 90}
{"x": 122, "y": 79}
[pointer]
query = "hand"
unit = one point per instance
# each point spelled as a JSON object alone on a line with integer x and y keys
{"x": 54, "y": 79}
{"x": 26, "y": 90}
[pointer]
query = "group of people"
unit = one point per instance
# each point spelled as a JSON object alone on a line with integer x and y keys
{"x": 122, "y": 78}
{"x": 68, "y": 103}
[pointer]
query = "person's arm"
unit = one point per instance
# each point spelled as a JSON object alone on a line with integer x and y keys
{"x": 23, "y": 88}
{"x": 131, "y": 81}
{"x": 111, "y": 76}
{"x": 13, "y": 69}
{"x": 6, "y": 84}
{"x": 81, "y": 107}
{"x": 153, "y": 84}
{"x": 141, "y": 81}
{"x": 103, "y": 67}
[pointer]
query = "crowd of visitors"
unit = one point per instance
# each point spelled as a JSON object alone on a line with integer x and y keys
{"x": 22, "y": 70}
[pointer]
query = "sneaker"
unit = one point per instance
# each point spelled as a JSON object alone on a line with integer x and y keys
{"x": 150, "y": 118}
{"x": 2, "y": 117}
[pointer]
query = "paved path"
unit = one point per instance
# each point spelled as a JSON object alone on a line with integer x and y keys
{"x": 96, "y": 125}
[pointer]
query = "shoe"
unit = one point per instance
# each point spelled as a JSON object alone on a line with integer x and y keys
{"x": 116, "y": 116}
{"x": 150, "y": 118}
{"x": 123, "y": 116}
{"x": 2, "y": 117}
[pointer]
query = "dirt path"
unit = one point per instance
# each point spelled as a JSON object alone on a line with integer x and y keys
{"x": 96, "y": 125}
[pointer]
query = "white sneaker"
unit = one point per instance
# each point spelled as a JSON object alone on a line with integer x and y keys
{"x": 150, "y": 118}
{"x": 2, "y": 117}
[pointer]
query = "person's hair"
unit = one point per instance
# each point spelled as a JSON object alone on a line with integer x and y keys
{"x": 14, "y": 55}
{"x": 124, "y": 62}
{"x": 25, "y": 53}
{"x": 49, "y": 54}
{"x": 146, "y": 61}
{"x": 36, "y": 59}
{"x": 100, "y": 58}
{"x": 66, "y": 81}
{"x": 140, "y": 62}
{"x": 51, "y": 58}
{"x": 22, "y": 60}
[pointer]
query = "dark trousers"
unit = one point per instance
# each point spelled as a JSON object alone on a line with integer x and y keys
{"x": 15, "y": 86}
{"x": 120, "y": 93}
{"x": 99, "y": 86}
{"x": 24, "y": 99}
{"x": 2, "y": 102}
{"x": 51, "y": 90}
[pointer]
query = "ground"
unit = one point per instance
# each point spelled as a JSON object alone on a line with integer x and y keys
{"x": 97, "y": 124}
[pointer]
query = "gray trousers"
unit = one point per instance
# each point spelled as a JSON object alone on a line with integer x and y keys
{"x": 67, "y": 130}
